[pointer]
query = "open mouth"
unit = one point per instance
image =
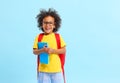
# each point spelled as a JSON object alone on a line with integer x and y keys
{"x": 48, "y": 29}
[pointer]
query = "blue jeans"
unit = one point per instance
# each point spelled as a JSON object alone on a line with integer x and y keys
{"x": 50, "y": 77}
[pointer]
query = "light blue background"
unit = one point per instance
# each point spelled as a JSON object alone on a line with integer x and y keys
{"x": 91, "y": 29}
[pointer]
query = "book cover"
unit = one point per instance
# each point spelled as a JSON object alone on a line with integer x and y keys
{"x": 44, "y": 57}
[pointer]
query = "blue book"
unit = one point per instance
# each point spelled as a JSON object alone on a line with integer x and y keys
{"x": 44, "y": 57}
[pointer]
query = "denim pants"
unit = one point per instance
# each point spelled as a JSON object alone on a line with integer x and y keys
{"x": 44, "y": 77}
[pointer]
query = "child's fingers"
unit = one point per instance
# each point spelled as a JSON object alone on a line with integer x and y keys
{"x": 45, "y": 46}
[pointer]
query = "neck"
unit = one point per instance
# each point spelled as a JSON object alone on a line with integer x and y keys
{"x": 48, "y": 33}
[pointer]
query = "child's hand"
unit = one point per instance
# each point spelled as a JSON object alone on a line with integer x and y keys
{"x": 45, "y": 49}
{"x": 48, "y": 50}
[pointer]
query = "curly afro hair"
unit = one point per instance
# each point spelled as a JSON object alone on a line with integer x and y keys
{"x": 51, "y": 12}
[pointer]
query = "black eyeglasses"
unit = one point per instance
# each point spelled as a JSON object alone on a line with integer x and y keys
{"x": 50, "y": 23}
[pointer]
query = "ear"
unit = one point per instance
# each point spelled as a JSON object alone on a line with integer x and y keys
{"x": 54, "y": 26}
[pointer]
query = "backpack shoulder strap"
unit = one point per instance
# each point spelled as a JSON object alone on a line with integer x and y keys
{"x": 61, "y": 56}
{"x": 40, "y": 37}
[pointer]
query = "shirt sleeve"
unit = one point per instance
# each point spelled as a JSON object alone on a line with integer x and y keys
{"x": 35, "y": 42}
{"x": 63, "y": 44}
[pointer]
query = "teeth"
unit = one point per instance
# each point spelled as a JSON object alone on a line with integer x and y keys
{"x": 47, "y": 28}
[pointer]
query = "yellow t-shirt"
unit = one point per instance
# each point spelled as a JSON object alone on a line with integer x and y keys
{"x": 54, "y": 64}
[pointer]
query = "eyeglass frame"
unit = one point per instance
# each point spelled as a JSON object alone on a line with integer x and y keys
{"x": 46, "y": 22}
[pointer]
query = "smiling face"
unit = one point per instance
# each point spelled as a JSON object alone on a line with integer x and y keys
{"x": 48, "y": 24}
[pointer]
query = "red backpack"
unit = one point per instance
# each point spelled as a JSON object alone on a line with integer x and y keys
{"x": 61, "y": 56}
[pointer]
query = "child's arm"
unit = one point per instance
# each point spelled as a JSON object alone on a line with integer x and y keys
{"x": 60, "y": 51}
{"x": 49, "y": 50}
{"x": 56, "y": 51}
{"x": 37, "y": 51}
